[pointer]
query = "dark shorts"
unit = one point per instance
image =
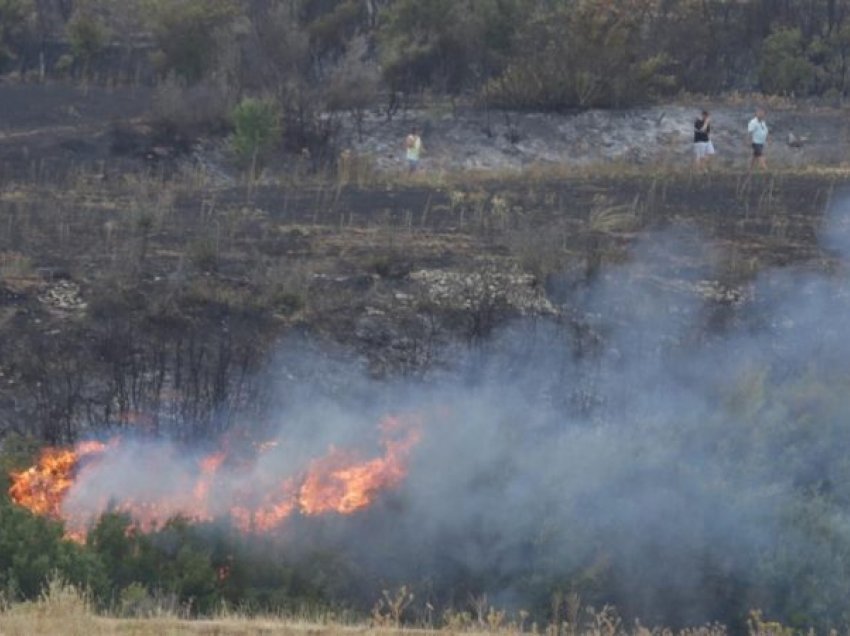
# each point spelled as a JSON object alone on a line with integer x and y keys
{"x": 758, "y": 150}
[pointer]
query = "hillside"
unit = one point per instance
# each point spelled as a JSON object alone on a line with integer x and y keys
{"x": 344, "y": 382}
{"x": 247, "y": 361}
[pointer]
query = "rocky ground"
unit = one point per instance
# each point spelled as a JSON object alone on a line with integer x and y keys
{"x": 46, "y": 127}
{"x": 475, "y": 139}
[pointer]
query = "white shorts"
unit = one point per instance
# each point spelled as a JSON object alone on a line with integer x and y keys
{"x": 703, "y": 149}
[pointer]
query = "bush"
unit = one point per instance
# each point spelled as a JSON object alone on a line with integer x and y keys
{"x": 186, "y": 32}
{"x": 183, "y": 110}
{"x": 257, "y": 129}
{"x": 579, "y": 57}
{"x": 446, "y": 45}
{"x": 32, "y": 550}
{"x": 783, "y": 67}
{"x": 203, "y": 254}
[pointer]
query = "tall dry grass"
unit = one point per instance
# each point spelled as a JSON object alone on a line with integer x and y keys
{"x": 65, "y": 610}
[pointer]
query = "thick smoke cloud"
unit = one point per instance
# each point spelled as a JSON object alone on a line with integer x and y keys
{"x": 639, "y": 453}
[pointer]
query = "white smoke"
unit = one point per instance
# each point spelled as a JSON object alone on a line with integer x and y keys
{"x": 636, "y": 454}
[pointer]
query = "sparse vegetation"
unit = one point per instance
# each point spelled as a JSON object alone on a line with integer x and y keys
{"x": 65, "y": 608}
{"x": 144, "y": 288}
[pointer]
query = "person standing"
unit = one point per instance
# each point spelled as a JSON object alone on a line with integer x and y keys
{"x": 413, "y": 150}
{"x": 703, "y": 147}
{"x": 757, "y": 131}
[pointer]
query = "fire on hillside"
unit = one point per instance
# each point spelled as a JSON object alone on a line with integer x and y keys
{"x": 78, "y": 485}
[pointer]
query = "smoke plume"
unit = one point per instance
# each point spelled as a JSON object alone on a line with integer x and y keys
{"x": 685, "y": 458}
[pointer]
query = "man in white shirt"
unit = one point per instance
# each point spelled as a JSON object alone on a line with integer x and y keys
{"x": 757, "y": 132}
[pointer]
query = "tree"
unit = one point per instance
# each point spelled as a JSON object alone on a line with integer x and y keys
{"x": 88, "y": 36}
{"x": 447, "y": 45}
{"x": 354, "y": 83}
{"x": 579, "y": 56}
{"x": 257, "y": 129}
{"x": 186, "y": 32}
{"x": 32, "y": 550}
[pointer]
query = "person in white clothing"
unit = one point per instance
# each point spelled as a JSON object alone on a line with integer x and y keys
{"x": 757, "y": 132}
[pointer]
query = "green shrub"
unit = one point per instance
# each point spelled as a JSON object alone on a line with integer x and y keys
{"x": 32, "y": 550}
{"x": 186, "y": 32}
{"x": 257, "y": 129}
{"x": 784, "y": 67}
{"x": 580, "y": 57}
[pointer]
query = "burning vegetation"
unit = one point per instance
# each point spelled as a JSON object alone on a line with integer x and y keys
{"x": 72, "y": 485}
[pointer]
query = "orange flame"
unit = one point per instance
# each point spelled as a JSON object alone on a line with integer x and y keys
{"x": 42, "y": 488}
{"x": 339, "y": 482}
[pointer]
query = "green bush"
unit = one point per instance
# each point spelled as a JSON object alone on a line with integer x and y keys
{"x": 784, "y": 67}
{"x": 32, "y": 550}
{"x": 186, "y": 32}
{"x": 579, "y": 57}
{"x": 447, "y": 45}
{"x": 256, "y": 124}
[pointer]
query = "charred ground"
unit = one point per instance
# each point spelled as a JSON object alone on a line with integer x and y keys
{"x": 109, "y": 286}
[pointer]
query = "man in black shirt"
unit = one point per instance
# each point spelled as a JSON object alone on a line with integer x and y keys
{"x": 703, "y": 148}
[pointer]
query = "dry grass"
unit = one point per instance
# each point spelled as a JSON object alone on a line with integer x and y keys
{"x": 63, "y": 609}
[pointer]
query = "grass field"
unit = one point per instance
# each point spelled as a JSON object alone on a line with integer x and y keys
{"x": 64, "y": 610}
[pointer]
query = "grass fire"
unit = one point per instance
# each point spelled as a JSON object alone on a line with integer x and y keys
{"x": 74, "y": 486}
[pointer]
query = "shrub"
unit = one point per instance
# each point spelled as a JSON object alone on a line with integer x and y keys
{"x": 447, "y": 45}
{"x": 784, "y": 67}
{"x": 182, "y": 110}
{"x": 203, "y": 253}
{"x": 186, "y": 32}
{"x": 579, "y": 57}
{"x": 32, "y": 550}
{"x": 257, "y": 129}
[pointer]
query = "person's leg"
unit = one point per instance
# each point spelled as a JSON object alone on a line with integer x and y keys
{"x": 757, "y": 157}
{"x": 701, "y": 151}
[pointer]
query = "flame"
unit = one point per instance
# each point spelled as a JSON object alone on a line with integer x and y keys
{"x": 338, "y": 483}
{"x": 70, "y": 484}
{"x": 41, "y": 488}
